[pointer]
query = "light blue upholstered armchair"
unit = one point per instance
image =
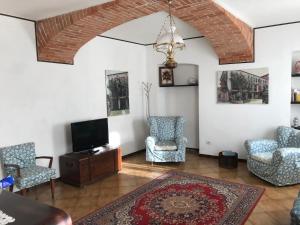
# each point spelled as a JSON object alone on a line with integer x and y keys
{"x": 295, "y": 212}
{"x": 19, "y": 161}
{"x": 276, "y": 161}
{"x": 166, "y": 142}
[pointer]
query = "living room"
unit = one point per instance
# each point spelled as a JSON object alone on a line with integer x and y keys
{"x": 57, "y": 59}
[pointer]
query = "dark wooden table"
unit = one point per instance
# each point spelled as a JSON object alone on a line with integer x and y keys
{"x": 29, "y": 212}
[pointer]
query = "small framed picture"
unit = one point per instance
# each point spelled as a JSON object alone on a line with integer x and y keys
{"x": 166, "y": 77}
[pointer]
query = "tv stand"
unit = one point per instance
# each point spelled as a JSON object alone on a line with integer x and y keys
{"x": 85, "y": 168}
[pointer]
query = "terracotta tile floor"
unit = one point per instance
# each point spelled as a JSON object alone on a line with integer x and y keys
{"x": 273, "y": 208}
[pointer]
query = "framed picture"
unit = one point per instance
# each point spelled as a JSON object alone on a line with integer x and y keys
{"x": 248, "y": 86}
{"x": 117, "y": 92}
{"x": 166, "y": 77}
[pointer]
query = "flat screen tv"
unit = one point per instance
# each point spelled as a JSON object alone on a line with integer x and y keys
{"x": 87, "y": 135}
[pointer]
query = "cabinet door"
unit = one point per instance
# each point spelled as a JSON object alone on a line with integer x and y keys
{"x": 102, "y": 164}
{"x": 69, "y": 170}
{"x": 84, "y": 171}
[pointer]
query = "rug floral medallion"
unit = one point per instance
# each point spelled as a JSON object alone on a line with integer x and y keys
{"x": 179, "y": 198}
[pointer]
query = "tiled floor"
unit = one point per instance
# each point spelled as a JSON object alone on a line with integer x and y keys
{"x": 273, "y": 208}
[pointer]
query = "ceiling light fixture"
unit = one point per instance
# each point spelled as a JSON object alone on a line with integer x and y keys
{"x": 168, "y": 40}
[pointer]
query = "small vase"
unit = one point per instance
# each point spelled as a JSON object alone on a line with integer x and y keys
{"x": 297, "y": 67}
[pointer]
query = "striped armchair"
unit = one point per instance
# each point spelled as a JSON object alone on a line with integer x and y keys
{"x": 166, "y": 142}
{"x": 19, "y": 161}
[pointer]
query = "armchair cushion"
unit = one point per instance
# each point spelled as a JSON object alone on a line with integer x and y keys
{"x": 264, "y": 157}
{"x": 165, "y": 146}
{"x": 34, "y": 175}
{"x": 166, "y": 128}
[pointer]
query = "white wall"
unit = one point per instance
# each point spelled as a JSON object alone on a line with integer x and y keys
{"x": 39, "y": 100}
{"x": 228, "y": 126}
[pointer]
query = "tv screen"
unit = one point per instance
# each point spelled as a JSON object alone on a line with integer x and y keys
{"x": 90, "y": 134}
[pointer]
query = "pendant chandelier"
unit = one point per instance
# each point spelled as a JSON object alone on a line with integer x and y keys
{"x": 168, "y": 40}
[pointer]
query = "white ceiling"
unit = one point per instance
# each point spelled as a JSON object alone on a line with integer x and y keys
{"x": 259, "y": 13}
{"x": 144, "y": 30}
{"x": 41, "y": 9}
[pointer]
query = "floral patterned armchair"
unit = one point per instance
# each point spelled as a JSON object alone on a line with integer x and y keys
{"x": 166, "y": 142}
{"x": 295, "y": 212}
{"x": 276, "y": 161}
{"x": 19, "y": 161}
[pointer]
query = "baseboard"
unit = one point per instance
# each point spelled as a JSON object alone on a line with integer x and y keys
{"x": 133, "y": 153}
{"x": 217, "y": 157}
{"x": 193, "y": 150}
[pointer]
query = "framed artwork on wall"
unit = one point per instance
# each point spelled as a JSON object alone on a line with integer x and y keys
{"x": 117, "y": 92}
{"x": 166, "y": 77}
{"x": 248, "y": 86}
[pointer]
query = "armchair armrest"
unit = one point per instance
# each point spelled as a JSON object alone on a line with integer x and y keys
{"x": 181, "y": 140}
{"x": 287, "y": 155}
{"x": 261, "y": 145}
{"x": 46, "y": 157}
{"x": 16, "y": 167}
{"x": 151, "y": 140}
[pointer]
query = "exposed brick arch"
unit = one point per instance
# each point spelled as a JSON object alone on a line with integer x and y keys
{"x": 60, "y": 37}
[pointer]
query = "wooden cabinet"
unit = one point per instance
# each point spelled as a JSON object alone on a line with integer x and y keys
{"x": 83, "y": 168}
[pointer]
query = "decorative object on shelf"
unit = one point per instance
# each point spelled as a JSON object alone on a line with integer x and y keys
{"x": 295, "y": 122}
{"x": 168, "y": 40}
{"x": 147, "y": 88}
{"x": 5, "y": 219}
{"x": 192, "y": 80}
{"x": 117, "y": 92}
{"x": 166, "y": 77}
{"x": 295, "y": 95}
{"x": 250, "y": 86}
{"x": 297, "y": 67}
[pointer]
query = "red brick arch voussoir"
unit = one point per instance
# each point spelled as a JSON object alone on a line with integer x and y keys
{"x": 59, "y": 38}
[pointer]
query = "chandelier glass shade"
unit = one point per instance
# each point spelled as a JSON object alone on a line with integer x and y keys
{"x": 168, "y": 40}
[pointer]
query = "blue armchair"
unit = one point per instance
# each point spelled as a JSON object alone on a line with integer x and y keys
{"x": 295, "y": 212}
{"x": 19, "y": 161}
{"x": 276, "y": 161}
{"x": 166, "y": 142}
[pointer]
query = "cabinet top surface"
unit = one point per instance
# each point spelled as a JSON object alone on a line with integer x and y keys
{"x": 85, "y": 155}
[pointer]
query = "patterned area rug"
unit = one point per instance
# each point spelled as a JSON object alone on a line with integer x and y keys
{"x": 180, "y": 198}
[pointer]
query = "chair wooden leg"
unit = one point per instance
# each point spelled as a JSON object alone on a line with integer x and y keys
{"x": 52, "y": 185}
{"x": 23, "y": 192}
{"x": 11, "y": 188}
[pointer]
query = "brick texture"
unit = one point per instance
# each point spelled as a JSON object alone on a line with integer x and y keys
{"x": 60, "y": 37}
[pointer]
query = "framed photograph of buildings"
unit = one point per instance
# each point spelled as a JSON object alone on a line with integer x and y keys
{"x": 117, "y": 92}
{"x": 249, "y": 86}
{"x": 166, "y": 77}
